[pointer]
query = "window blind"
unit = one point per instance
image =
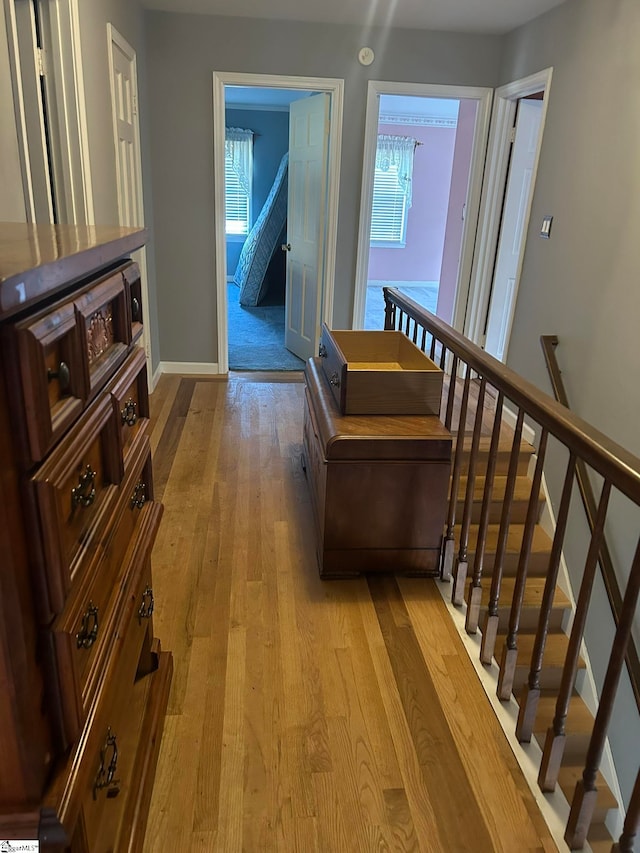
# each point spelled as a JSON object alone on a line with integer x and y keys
{"x": 389, "y": 209}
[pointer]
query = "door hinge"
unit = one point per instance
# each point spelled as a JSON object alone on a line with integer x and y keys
{"x": 135, "y": 105}
{"x": 512, "y": 135}
{"x": 40, "y": 61}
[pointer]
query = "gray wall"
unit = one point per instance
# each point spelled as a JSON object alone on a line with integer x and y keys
{"x": 582, "y": 284}
{"x": 12, "y": 207}
{"x": 182, "y": 52}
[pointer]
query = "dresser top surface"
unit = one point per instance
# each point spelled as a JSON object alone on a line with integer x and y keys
{"x": 37, "y": 260}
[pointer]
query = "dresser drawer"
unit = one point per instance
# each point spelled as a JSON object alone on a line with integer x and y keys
{"x": 104, "y": 328}
{"x": 52, "y": 376}
{"x": 73, "y": 491}
{"x": 130, "y": 398}
{"x": 90, "y": 789}
{"x": 133, "y": 287}
{"x": 84, "y": 630}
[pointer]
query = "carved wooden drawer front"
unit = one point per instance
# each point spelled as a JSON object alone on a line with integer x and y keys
{"x": 134, "y": 299}
{"x": 97, "y": 775}
{"x": 130, "y": 398}
{"x": 84, "y": 630}
{"x": 52, "y": 376}
{"x": 73, "y": 489}
{"x": 104, "y": 328}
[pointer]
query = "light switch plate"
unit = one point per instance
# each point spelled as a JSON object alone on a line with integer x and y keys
{"x": 545, "y": 231}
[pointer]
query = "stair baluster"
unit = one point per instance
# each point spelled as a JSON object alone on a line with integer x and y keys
{"x": 490, "y": 627}
{"x": 531, "y": 692}
{"x": 475, "y": 588}
{"x": 451, "y": 395}
{"x": 462, "y": 565}
{"x": 584, "y": 799}
{"x": 631, "y": 828}
{"x": 556, "y": 734}
{"x": 510, "y": 650}
{"x": 448, "y": 545}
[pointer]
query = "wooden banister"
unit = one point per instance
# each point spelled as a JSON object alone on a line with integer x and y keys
{"x": 632, "y": 660}
{"x": 590, "y": 452}
{"x": 605, "y": 456}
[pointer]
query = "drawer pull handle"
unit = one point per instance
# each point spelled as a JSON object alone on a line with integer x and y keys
{"x": 334, "y": 380}
{"x": 88, "y": 633}
{"x": 129, "y": 414}
{"x": 146, "y": 608}
{"x": 135, "y": 309}
{"x": 62, "y": 374}
{"x": 139, "y": 496}
{"x": 322, "y": 351}
{"x": 84, "y": 493}
{"x": 106, "y": 772}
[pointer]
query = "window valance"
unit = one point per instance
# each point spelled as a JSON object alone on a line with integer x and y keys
{"x": 397, "y": 151}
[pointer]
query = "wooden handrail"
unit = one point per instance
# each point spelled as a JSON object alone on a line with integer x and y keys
{"x": 605, "y": 456}
{"x": 589, "y": 451}
{"x": 549, "y": 343}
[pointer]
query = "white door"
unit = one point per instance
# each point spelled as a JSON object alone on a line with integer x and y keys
{"x": 514, "y": 222}
{"x": 306, "y": 219}
{"x": 124, "y": 105}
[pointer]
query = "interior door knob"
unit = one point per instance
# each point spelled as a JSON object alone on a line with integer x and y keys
{"x": 286, "y": 247}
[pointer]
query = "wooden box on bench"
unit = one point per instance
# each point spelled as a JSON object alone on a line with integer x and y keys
{"x": 379, "y": 373}
{"x": 378, "y": 485}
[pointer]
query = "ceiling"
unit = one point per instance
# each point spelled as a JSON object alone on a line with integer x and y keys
{"x": 479, "y": 16}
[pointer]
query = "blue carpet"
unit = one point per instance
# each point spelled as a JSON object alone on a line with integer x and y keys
{"x": 425, "y": 294}
{"x": 256, "y": 336}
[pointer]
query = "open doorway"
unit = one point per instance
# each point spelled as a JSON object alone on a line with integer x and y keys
{"x": 257, "y": 119}
{"x": 512, "y": 160}
{"x": 309, "y": 258}
{"x": 424, "y": 147}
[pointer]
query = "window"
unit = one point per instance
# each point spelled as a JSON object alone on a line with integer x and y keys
{"x": 238, "y": 180}
{"x": 392, "y": 190}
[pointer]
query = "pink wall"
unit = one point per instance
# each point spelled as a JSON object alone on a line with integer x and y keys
{"x": 421, "y": 258}
{"x": 457, "y": 198}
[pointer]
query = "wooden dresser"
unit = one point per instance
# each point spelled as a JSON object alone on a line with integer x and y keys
{"x": 83, "y": 683}
{"x": 379, "y": 485}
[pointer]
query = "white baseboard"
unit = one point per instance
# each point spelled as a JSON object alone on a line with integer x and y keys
{"x": 157, "y": 373}
{"x": 190, "y": 368}
{"x": 510, "y": 417}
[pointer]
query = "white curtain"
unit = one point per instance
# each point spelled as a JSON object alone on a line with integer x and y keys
{"x": 397, "y": 151}
{"x": 238, "y": 148}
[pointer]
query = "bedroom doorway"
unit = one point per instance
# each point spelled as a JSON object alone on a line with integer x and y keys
{"x": 251, "y": 335}
{"x": 441, "y": 131}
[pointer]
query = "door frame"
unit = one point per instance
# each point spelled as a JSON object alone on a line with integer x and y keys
{"x": 114, "y": 38}
{"x": 66, "y": 67}
{"x": 335, "y": 88}
{"x": 425, "y": 90}
{"x": 493, "y": 191}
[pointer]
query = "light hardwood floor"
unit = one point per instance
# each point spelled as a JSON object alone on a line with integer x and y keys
{"x": 305, "y": 715}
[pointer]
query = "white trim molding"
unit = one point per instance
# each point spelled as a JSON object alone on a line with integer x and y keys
{"x": 335, "y": 88}
{"x": 502, "y": 120}
{"x": 424, "y": 90}
{"x": 188, "y": 368}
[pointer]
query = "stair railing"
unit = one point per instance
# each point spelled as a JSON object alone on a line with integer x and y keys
{"x": 472, "y": 421}
{"x": 612, "y": 587}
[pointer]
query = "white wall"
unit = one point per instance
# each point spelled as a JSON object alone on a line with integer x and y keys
{"x": 583, "y": 283}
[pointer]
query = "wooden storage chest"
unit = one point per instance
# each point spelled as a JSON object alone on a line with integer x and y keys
{"x": 379, "y": 373}
{"x": 378, "y": 484}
